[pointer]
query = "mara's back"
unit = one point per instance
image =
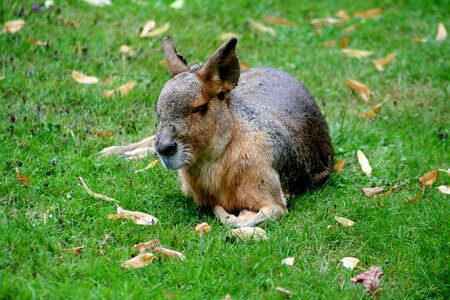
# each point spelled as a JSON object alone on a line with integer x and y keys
{"x": 274, "y": 102}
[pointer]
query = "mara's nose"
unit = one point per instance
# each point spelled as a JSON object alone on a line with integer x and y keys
{"x": 166, "y": 149}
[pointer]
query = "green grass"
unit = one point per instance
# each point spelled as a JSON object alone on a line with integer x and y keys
{"x": 45, "y": 115}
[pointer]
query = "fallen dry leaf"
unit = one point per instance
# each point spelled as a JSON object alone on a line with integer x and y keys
{"x": 343, "y": 15}
{"x": 22, "y": 178}
{"x": 391, "y": 190}
{"x": 37, "y": 42}
{"x": 279, "y": 21}
{"x": 136, "y": 217}
{"x": 244, "y": 66}
{"x": 95, "y": 195}
{"x": 126, "y": 51}
{"x": 149, "y": 166}
{"x": 83, "y": 79}
{"x": 142, "y": 247}
{"x": 202, "y": 228}
{"x": 417, "y": 38}
{"x": 76, "y": 250}
{"x": 177, "y": 4}
{"x": 343, "y": 43}
{"x": 225, "y": 36}
{"x": 381, "y": 62}
{"x": 351, "y": 28}
{"x": 418, "y": 197}
{"x": 357, "y": 53}
{"x": 329, "y": 44}
{"x": 158, "y": 31}
{"x": 122, "y": 90}
{"x": 139, "y": 261}
{"x": 373, "y": 112}
{"x": 262, "y": 28}
{"x": 248, "y": 233}
{"x": 429, "y": 177}
{"x": 287, "y": 293}
{"x": 103, "y": 134}
{"x": 149, "y": 26}
{"x": 368, "y": 14}
{"x": 364, "y": 163}
{"x": 370, "y": 279}
{"x": 13, "y": 26}
{"x": 289, "y": 261}
{"x": 326, "y": 21}
{"x": 370, "y": 192}
{"x": 445, "y": 189}
{"x": 359, "y": 88}
{"x": 349, "y": 262}
{"x": 170, "y": 253}
{"x": 344, "y": 221}
{"x": 441, "y": 32}
{"x": 339, "y": 166}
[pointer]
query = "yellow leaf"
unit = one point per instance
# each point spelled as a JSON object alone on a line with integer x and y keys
{"x": 359, "y": 88}
{"x": 339, "y": 166}
{"x": 248, "y": 233}
{"x": 95, "y": 195}
{"x": 22, "y": 178}
{"x": 429, "y": 177}
{"x": 356, "y": 53}
{"x": 13, "y": 26}
{"x": 202, "y": 228}
{"x": 225, "y": 36}
{"x": 139, "y": 261}
{"x": 445, "y": 189}
{"x": 350, "y": 262}
{"x": 122, "y": 90}
{"x": 37, "y": 42}
{"x": 279, "y": 21}
{"x": 263, "y": 28}
{"x": 177, "y": 4}
{"x": 368, "y": 14}
{"x": 158, "y": 31}
{"x": 370, "y": 192}
{"x": 343, "y": 15}
{"x": 344, "y": 221}
{"x": 373, "y": 112}
{"x": 289, "y": 261}
{"x": 364, "y": 163}
{"x": 343, "y": 43}
{"x": 170, "y": 253}
{"x": 149, "y": 26}
{"x": 149, "y": 166}
{"x": 441, "y": 33}
{"x": 329, "y": 44}
{"x": 326, "y": 21}
{"x": 380, "y": 62}
{"x": 83, "y": 79}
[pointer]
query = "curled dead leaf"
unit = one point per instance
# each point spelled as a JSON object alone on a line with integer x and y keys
{"x": 343, "y": 43}
{"x": 418, "y": 197}
{"x": 83, "y": 79}
{"x": 136, "y": 217}
{"x": 339, "y": 166}
{"x": 364, "y": 163}
{"x": 37, "y": 42}
{"x": 441, "y": 32}
{"x": 122, "y": 90}
{"x": 344, "y": 221}
{"x": 373, "y": 112}
{"x": 391, "y": 190}
{"x": 13, "y": 26}
{"x": 356, "y": 53}
{"x": 279, "y": 21}
{"x": 350, "y": 262}
{"x": 359, "y": 88}
{"x": 158, "y": 31}
{"x": 381, "y": 62}
{"x": 262, "y": 28}
{"x": 139, "y": 261}
{"x": 202, "y": 228}
{"x": 95, "y": 195}
{"x": 368, "y": 14}
{"x": 22, "y": 178}
{"x": 370, "y": 279}
{"x": 149, "y": 166}
{"x": 248, "y": 233}
{"x": 343, "y": 15}
{"x": 370, "y": 192}
{"x": 170, "y": 253}
{"x": 429, "y": 178}
{"x": 289, "y": 261}
{"x": 445, "y": 189}
{"x": 142, "y": 247}
{"x": 149, "y": 26}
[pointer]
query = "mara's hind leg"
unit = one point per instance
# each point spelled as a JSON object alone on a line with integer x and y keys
{"x": 135, "y": 150}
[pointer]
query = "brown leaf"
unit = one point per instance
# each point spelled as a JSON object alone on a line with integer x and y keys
{"x": 22, "y": 178}
{"x": 244, "y": 66}
{"x": 344, "y": 221}
{"x": 416, "y": 198}
{"x": 326, "y": 21}
{"x": 95, "y": 195}
{"x": 13, "y": 26}
{"x": 364, "y": 163}
{"x": 441, "y": 32}
{"x": 202, "y": 228}
{"x": 263, "y": 28}
{"x": 368, "y": 14}
{"x": 445, "y": 189}
{"x": 370, "y": 192}
{"x": 76, "y": 250}
{"x": 122, "y": 90}
{"x": 381, "y": 62}
{"x": 343, "y": 43}
{"x": 83, "y": 79}
{"x": 136, "y": 217}
{"x": 429, "y": 177}
{"x": 149, "y": 26}
{"x": 158, "y": 31}
{"x": 357, "y": 53}
{"x": 103, "y": 134}
{"x": 37, "y": 42}
{"x": 139, "y": 261}
{"x": 343, "y": 15}
{"x": 170, "y": 253}
{"x": 370, "y": 279}
{"x": 329, "y": 44}
{"x": 149, "y": 166}
{"x": 339, "y": 166}
{"x": 373, "y": 112}
{"x": 359, "y": 88}
{"x": 142, "y": 247}
{"x": 287, "y": 293}
{"x": 417, "y": 38}
{"x": 248, "y": 233}
{"x": 279, "y": 21}
{"x": 391, "y": 190}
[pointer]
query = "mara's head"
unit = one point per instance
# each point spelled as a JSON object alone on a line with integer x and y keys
{"x": 194, "y": 106}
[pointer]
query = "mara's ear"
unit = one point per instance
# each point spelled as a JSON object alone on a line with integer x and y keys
{"x": 175, "y": 62}
{"x": 222, "y": 66}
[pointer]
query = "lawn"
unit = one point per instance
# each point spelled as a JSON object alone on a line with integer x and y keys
{"x": 52, "y": 129}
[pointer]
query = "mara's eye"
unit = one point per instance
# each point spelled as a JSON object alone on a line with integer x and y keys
{"x": 201, "y": 109}
{"x": 221, "y": 96}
